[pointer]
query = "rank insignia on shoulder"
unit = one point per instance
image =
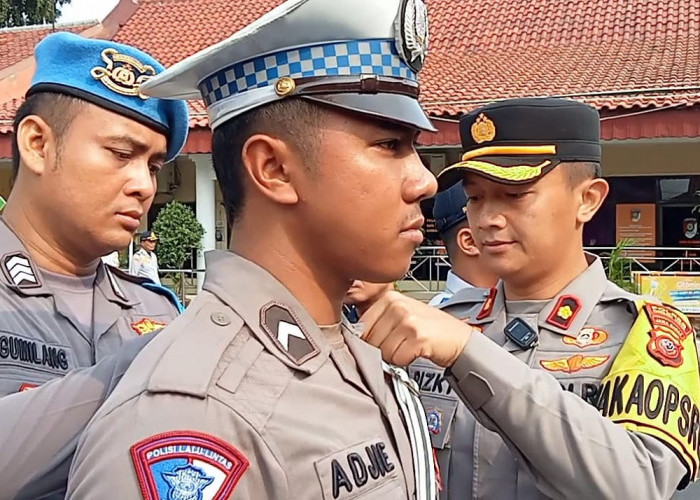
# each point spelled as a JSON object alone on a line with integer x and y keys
{"x": 587, "y": 337}
{"x": 187, "y": 465}
{"x": 564, "y": 312}
{"x": 574, "y": 363}
{"x": 669, "y": 328}
{"x": 146, "y": 326}
{"x": 287, "y": 332}
{"x": 19, "y": 271}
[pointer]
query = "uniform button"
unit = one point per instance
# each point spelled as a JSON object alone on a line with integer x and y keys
{"x": 220, "y": 319}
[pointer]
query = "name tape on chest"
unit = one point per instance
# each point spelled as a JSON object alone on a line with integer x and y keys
{"x": 33, "y": 353}
{"x": 430, "y": 381}
{"x": 187, "y": 465}
{"x": 360, "y": 468}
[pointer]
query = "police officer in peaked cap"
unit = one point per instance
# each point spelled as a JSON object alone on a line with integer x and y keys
{"x": 578, "y": 389}
{"x": 87, "y": 147}
{"x": 259, "y": 391}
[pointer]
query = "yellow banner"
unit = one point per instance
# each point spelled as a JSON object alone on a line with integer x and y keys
{"x": 654, "y": 384}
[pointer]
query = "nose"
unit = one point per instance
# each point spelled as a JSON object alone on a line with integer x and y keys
{"x": 142, "y": 183}
{"x": 420, "y": 183}
{"x": 487, "y": 215}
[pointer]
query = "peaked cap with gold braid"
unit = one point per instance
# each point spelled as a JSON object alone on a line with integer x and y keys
{"x": 517, "y": 141}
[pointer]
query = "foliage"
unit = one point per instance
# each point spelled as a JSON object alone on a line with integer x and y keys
{"x": 619, "y": 265}
{"x": 29, "y": 12}
{"x": 179, "y": 232}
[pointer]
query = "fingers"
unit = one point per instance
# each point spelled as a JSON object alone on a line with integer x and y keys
{"x": 374, "y": 315}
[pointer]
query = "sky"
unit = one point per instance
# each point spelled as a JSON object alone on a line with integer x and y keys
{"x": 86, "y": 10}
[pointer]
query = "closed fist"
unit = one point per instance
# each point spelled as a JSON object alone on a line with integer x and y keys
{"x": 405, "y": 329}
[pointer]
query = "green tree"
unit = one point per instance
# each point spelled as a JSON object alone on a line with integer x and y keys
{"x": 179, "y": 233}
{"x": 29, "y": 12}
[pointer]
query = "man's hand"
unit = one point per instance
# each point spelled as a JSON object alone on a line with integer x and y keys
{"x": 405, "y": 329}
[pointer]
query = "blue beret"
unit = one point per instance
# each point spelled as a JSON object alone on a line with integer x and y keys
{"x": 449, "y": 207}
{"x": 109, "y": 75}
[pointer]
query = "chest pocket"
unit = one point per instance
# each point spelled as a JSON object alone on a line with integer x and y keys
{"x": 367, "y": 470}
{"x": 439, "y": 401}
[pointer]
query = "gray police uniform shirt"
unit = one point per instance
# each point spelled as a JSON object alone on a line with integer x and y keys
{"x": 247, "y": 375}
{"x": 42, "y": 332}
{"x": 532, "y": 430}
{"x": 40, "y": 428}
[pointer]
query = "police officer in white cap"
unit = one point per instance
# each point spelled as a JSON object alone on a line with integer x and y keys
{"x": 259, "y": 391}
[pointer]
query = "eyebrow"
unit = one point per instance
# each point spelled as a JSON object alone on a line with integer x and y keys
{"x": 137, "y": 145}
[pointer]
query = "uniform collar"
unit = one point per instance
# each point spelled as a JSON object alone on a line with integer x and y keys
{"x": 567, "y": 313}
{"x": 109, "y": 285}
{"x": 454, "y": 283}
{"x": 271, "y": 312}
{"x": 19, "y": 272}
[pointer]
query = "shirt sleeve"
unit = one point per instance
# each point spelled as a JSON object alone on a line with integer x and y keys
{"x": 570, "y": 448}
{"x": 151, "y": 446}
{"x": 40, "y": 427}
{"x": 135, "y": 265}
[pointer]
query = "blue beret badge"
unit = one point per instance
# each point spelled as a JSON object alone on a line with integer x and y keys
{"x": 123, "y": 74}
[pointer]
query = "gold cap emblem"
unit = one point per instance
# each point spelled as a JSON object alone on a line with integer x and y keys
{"x": 483, "y": 129}
{"x": 123, "y": 74}
{"x": 285, "y": 86}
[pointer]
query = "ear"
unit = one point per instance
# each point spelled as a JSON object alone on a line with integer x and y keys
{"x": 35, "y": 142}
{"x": 593, "y": 194}
{"x": 465, "y": 242}
{"x": 268, "y": 161}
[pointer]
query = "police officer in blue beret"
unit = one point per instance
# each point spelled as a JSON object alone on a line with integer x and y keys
{"x": 87, "y": 147}
{"x": 450, "y": 214}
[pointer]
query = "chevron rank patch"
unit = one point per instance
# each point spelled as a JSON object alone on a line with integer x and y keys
{"x": 287, "y": 332}
{"x": 19, "y": 271}
{"x": 187, "y": 465}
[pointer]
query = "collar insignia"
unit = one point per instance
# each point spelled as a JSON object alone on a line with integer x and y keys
{"x": 564, "y": 312}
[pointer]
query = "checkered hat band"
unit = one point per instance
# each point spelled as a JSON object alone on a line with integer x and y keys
{"x": 355, "y": 57}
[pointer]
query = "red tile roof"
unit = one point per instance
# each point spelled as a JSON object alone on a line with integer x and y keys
{"x": 615, "y": 55}
{"x": 170, "y": 30}
{"x": 626, "y": 53}
{"x": 17, "y": 44}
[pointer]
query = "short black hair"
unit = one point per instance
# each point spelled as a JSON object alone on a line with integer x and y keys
{"x": 57, "y": 110}
{"x": 292, "y": 120}
{"x": 577, "y": 172}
